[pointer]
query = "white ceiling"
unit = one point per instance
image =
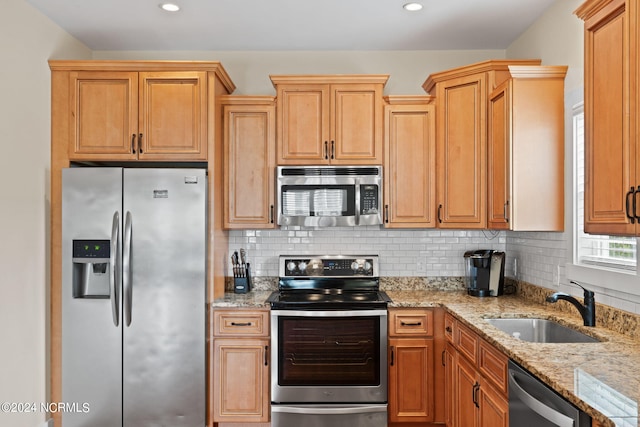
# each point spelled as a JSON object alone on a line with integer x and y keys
{"x": 260, "y": 25}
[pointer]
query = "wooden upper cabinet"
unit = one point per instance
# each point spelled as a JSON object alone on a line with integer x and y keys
{"x": 525, "y": 181}
{"x": 329, "y": 119}
{"x": 500, "y": 140}
{"x": 249, "y": 156}
{"x": 104, "y": 114}
{"x": 612, "y": 178}
{"x": 173, "y": 115}
{"x": 410, "y": 162}
{"x": 118, "y": 115}
{"x": 461, "y": 148}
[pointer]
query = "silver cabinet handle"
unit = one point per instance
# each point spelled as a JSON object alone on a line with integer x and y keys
{"x": 126, "y": 269}
{"x": 538, "y": 407}
{"x": 114, "y": 264}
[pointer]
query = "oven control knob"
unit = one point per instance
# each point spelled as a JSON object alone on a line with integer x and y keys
{"x": 302, "y": 266}
{"x": 355, "y": 265}
{"x": 367, "y": 266}
{"x": 291, "y": 266}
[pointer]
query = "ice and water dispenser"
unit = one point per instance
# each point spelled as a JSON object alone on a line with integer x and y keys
{"x": 91, "y": 268}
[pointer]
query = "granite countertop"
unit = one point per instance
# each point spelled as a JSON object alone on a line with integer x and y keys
{"x": 601, "y": 378}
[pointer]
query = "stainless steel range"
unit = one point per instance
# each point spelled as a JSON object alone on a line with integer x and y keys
{"x": 329, "y": 343}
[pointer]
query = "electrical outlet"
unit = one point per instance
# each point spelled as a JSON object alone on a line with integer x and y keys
{"x": 556, "y": 276}
{"x": 422, "y": 267}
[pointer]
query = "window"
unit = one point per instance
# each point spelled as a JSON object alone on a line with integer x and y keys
{"x": 612, "y": 252}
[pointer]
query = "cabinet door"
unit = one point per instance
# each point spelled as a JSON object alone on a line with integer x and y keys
{"x": 499, "y": 158}
{"x": 494, "y": 409}
{"x": 173, "y": 116}
{"x": 241, "y": 380}
{"x": 449, "y": 384}
{"x": 609, "y": 140}
{"x": 249, "y": 152}
{"x": 303, "y": 124}
{"x": 357, "y": 122}
{"x": 411, "y": 380}
{"x": 104, "y": 115}
{"x": 466, "y": 392}
{"x": 461, "y": 147}
{"x": 410, "y": 166}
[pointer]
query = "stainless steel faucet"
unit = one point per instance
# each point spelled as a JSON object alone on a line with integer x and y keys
{"x": 587, "y": 311}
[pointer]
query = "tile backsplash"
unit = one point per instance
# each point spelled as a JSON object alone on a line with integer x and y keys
{"x": 538, "y": 258}
{"x": 430, "y": 253}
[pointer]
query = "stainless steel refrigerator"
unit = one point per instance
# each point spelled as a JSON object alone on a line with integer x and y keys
{"x": 133, "y": 296}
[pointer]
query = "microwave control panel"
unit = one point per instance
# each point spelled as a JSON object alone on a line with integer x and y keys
{"x": 369, "y": 202}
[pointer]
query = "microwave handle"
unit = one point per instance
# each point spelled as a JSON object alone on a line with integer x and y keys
{"x": 357, "y": 202}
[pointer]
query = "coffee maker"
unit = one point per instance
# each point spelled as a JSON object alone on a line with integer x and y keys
{"x": 484, "y": 272}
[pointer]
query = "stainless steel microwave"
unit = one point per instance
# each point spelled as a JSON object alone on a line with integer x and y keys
{"x": 328, "y": 196}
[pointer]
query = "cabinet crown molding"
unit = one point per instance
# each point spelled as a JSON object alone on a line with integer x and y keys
{"x": 409, "y": 99}
{"x": 247, "y": 99}
{"x": 328, "y": 78}
{"x": 108, "y": 65}
{"x": 591, "y": 7}
{"x": 478, "y": 67}
{"x": 540, "y": 71}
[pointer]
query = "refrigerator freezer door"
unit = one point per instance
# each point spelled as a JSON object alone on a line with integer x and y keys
{"x": 91, "y": 342}
{"x": 164, "y": 342}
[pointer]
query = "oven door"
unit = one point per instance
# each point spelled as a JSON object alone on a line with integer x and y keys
{"x": 329, "y": 356}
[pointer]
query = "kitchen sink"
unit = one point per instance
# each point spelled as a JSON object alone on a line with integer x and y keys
{"x": 540, "y": 330}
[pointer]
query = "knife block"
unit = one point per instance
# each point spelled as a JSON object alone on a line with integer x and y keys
{"x": 242, "y": 285}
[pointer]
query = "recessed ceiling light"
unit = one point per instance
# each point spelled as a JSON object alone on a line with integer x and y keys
{"x": 170, "y": 7}
{"x": 413, "y": 7}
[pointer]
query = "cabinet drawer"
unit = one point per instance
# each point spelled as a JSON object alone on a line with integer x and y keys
{"x": 241, "y": 323}
{"x": 467, "y": 342}
{"x": 493, "y": 365}
{"x": 411, "y": 322}
{"x": 449, "y": 327}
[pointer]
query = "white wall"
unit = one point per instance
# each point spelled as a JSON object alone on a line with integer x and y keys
{"x": 27, "y": 40}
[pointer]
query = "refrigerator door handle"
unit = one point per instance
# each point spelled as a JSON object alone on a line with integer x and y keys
{"x": 126, "y": 269}
{"x": 114, "y": 265}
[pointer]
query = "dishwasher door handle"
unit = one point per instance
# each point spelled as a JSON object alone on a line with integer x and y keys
{"x": 538, "y": 407}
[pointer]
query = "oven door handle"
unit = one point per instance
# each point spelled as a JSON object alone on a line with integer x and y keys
{"x": 328, "y": 410}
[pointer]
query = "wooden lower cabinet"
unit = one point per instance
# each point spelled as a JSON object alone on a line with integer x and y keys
{"x": 241, "y": 368}
{"x": 416, "y": 378}
{"x": 411, "y": 391}
{"x": 475, "y": 382}
{"x": 449, "y": 389}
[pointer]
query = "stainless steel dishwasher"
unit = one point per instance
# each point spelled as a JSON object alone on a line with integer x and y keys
{"x": 534, "y": 404}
